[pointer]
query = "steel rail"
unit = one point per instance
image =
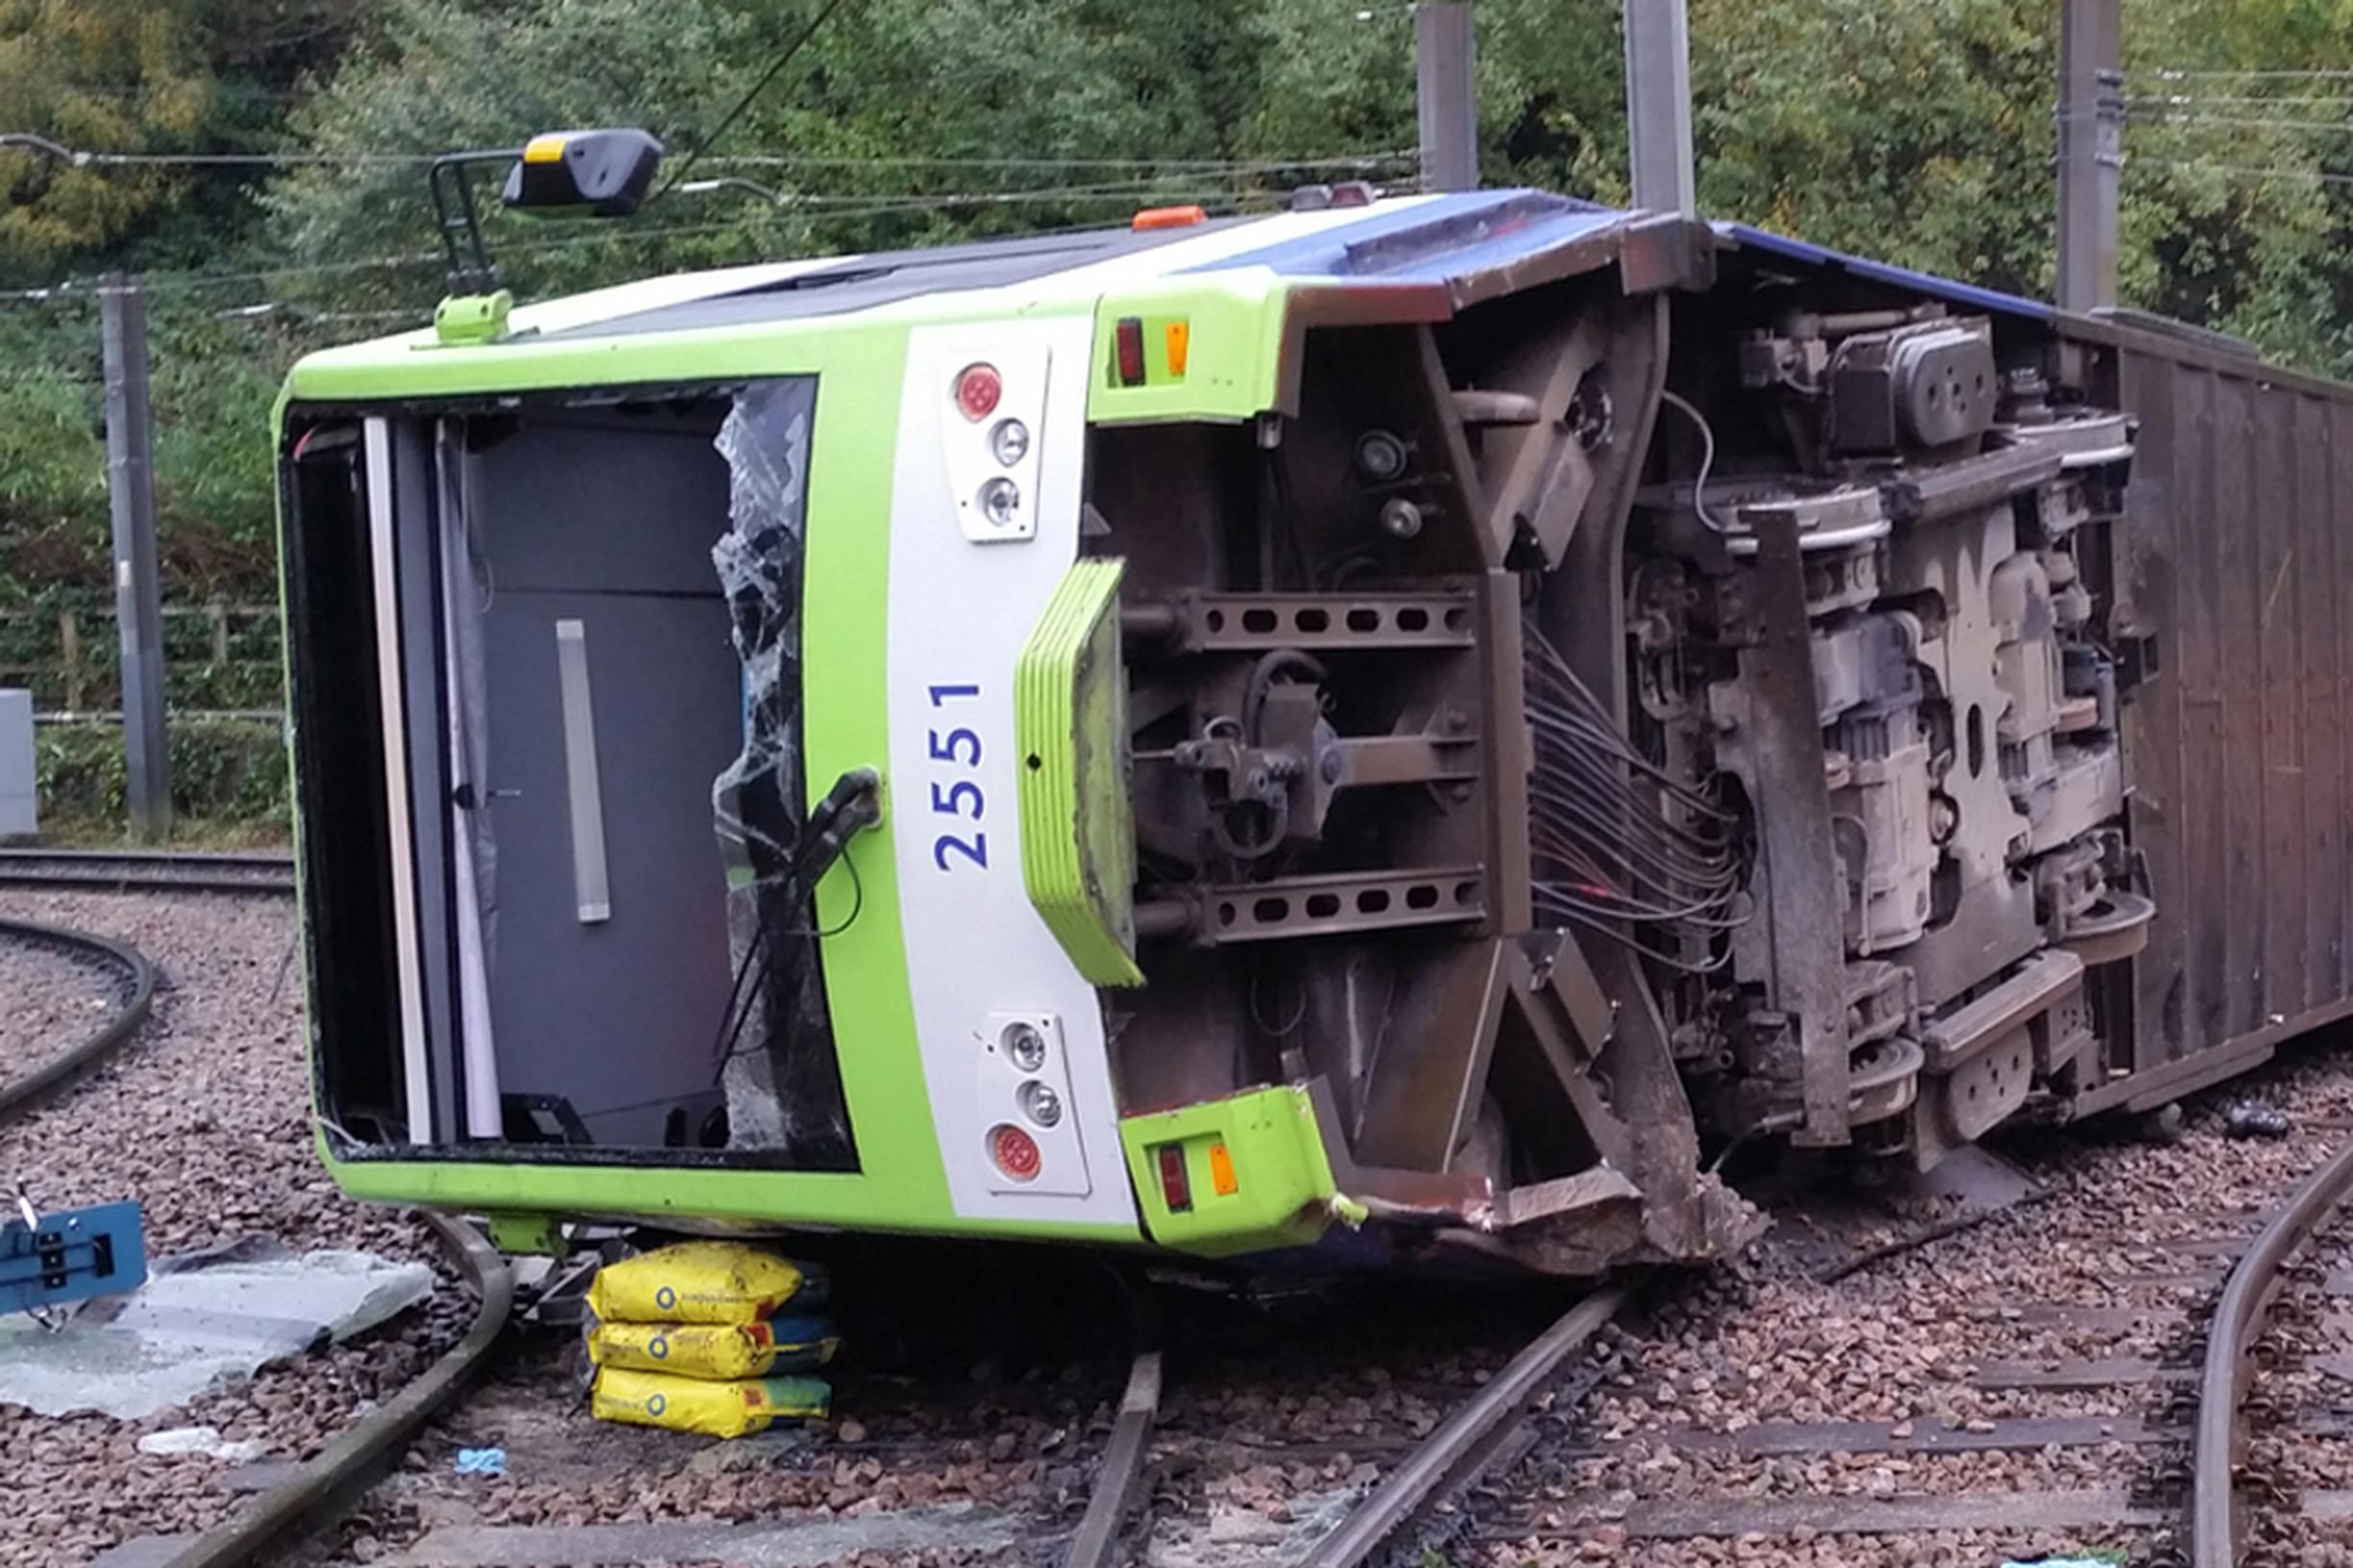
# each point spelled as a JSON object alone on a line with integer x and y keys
{"x": 328, "y": 1483}
{"x": 2222, "y": 1384}
{"x": 128, "y": 869}
{"x": 324, "y": 1484}
{"x": 1098, "y": 1531}
{"x": 29, "y": 1088}
{"x": 1453, "y": 1456}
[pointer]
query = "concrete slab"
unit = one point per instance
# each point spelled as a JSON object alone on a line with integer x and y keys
{"x": 798, "y": 1543}
{"x": 185, "y": 1330}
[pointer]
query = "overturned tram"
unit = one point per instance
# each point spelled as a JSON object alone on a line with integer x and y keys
{"x": 1382, "y": 732}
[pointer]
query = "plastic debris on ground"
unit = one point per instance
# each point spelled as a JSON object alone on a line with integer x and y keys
{"x": 2252, "y": 1118}
{"x": 482, "y": 1461}
{"x": 691, "y": 1337}
{"x": 2097, "y": 1560}
{"x": 198, "y": 1322}
{"x": 205, "y": 1441}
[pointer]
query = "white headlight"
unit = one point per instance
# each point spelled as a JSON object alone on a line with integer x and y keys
{"x": 999, "y": 501}
{"x": 1040, "y": 1104}
{"x": 1025, "y": 1045}
{"x": 1009, "y": 441}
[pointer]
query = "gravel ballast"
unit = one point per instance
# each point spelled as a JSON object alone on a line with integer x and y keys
{"x": 203, "y": 1119}
{"x": 54, "y": 999}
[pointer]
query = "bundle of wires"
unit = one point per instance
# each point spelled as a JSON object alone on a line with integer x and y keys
{"x": 1620, "y": 848}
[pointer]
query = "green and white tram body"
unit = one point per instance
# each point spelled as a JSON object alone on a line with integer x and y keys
{"x": 1216, "y": 620}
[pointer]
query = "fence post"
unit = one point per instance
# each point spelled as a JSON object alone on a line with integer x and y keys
{"x": 69, "y": 651}
{"x": 218, "y": 613}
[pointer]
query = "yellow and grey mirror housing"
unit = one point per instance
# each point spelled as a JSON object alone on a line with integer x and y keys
{"x": 604, "y": 174}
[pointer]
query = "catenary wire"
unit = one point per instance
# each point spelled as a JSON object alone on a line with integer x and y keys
{"x": 854, "y": 206}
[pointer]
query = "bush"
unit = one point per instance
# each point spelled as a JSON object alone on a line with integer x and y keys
{"x": 228, "y": 780}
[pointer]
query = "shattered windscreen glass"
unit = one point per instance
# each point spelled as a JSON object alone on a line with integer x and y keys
{"x": 782, "y": 1080}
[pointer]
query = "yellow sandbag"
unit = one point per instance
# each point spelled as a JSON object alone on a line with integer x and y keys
{"x": 698, "y": 1282}
{"x": 716, "y": 1351}
{"x": 718, "y": 1410}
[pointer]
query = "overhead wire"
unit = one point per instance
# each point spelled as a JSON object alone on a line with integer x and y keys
{"x": 2199, "y": 120}
{"x": 2324, "y": 177}
{"x": 79, "y": 157}
{"x": 837, "y": 204}
{"x": 2273, "y": 99}
{"x": 2164, "y": 73}
{"x": 703, "y": 144}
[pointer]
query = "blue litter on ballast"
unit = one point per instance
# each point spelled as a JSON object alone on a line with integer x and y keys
{"x": 482, "y": 1461}
{"x": 70, "y": 1254}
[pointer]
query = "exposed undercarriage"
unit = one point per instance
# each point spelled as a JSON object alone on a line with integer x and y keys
{"x": 1615, "y": 722}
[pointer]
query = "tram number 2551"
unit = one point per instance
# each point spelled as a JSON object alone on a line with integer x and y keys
{"x": 957, "y": 804}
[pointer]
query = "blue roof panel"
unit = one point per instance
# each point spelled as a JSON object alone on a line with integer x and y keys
{"x": 1470, "y": 232}
{"x": 1879, "y": 272}
{"x": 1434, "y": 240}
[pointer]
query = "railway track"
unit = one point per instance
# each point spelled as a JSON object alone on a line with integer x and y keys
{"x": 1480, "y": 1435}
{"x": 2062, "y": 1428}
{"x": 27, "y": 1088}
{"x": 319, "y": 1489}
{"x": 2083, "y": 1379}
{"x": 140, "y": 871}
{"x": 2251, "y": 1382}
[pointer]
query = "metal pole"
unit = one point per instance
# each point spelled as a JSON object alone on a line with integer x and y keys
{"x": 2090, "y": 150}
{"x": 1447, "y": 93}
{"x": 1658, "y": 106}
{"x": 138, "y": 609}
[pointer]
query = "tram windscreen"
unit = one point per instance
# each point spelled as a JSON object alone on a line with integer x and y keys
{"x": 596, "y": 772}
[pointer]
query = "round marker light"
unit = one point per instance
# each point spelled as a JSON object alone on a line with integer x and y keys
{"x": 1009, "y": 441}
{"x": 978, "y": 390}
{"x": 1040, "y": 1104}
{"x": 1014, "y": 1152}
{"x": 1000, "y": 499}
{"x": 1025, "y": 1045}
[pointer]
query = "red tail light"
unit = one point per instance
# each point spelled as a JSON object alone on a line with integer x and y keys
{"x": 1014, "y": 1152}
{"x": 978, "y": 387}
{"x": 1175, "y": 1186}
{"x": 1128, "y": 338}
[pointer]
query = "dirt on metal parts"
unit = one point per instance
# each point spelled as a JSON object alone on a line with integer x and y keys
{"x": 204, "y": 1118}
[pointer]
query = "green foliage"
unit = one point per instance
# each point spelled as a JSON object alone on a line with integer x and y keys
{"x": 225, "y": 773}
{"x": 1920, "y": 133}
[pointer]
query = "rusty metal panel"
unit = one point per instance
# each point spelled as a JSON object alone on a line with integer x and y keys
{"x": 2196, "y": 661}
{"x": 2279, "y": 873}
{"x": 2238, "y": 585}
{"x": 2147, "y": 546}
{"x": 2337, "y": 455}
{"x": 2240, "y": 750}
{"x": 2320, "y": 748}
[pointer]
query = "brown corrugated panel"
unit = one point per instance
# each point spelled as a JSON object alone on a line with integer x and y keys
{"x": 2238, "y": 752}
{"x": 2320, "y": 753}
